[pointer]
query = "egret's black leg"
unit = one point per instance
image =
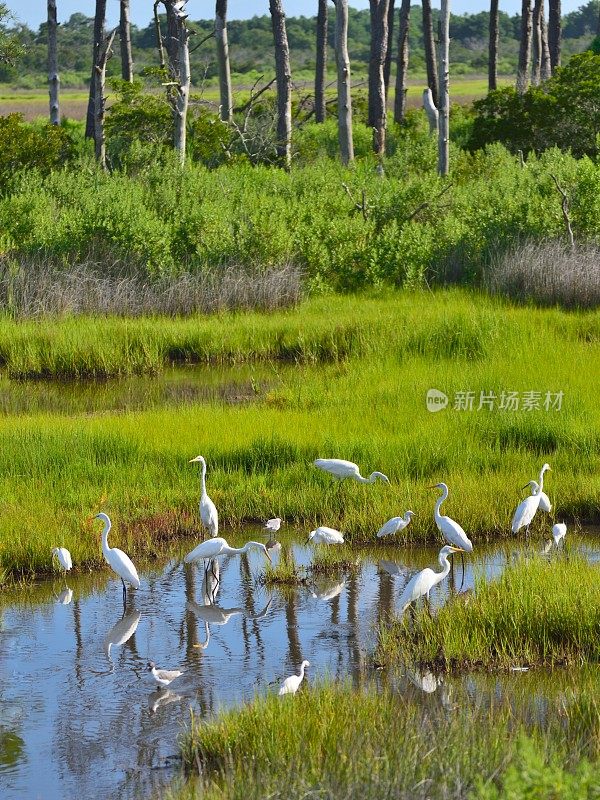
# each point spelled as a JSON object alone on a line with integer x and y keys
{"x": 124, "y": 592}
{"x": 462, "y": 561}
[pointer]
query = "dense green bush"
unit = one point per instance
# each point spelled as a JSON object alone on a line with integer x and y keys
{"x": 345, "y": 229}
{"x": 564, "y": 112}
{"x": 41, "y": 147}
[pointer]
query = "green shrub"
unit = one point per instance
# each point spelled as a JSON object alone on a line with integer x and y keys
{"x": 24, "y": 146}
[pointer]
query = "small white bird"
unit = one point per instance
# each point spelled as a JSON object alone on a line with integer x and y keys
{"x": 208, "y": 510}
{"x": 163, "y": 676}
{"x": 273, "y": 524}
{"x": 545, "y": 504}
{"x": 450, "y": 530}
{"x": 341, "y": 469}
{"x": 423, "y": 582}
{"x": 526, "y": 509}
{"x": 559, "y": 531}
{"x": 291, "y": 684}
{"x": 118, "y": 560}
{"x": 395, "y": 524}
{"x": 325, "y": 535}
{"x": 64, "y": 557}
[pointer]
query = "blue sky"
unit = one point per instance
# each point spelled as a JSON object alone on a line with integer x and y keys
{"x": 34, "y": 11}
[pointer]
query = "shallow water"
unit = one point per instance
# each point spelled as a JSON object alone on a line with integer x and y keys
{"x": 175, "y": 387}
{"x": 80, "y": 715}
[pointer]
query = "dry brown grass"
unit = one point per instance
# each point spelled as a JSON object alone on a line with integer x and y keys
{"x": 549, "y": 272}
{"x": 36, "y": 288}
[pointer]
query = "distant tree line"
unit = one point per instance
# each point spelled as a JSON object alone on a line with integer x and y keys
{"x": 251, "y": 43}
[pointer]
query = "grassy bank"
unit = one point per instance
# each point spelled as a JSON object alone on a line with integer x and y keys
{"x": 336, "y": 742}
{"x": 539, "y": 612}
{"x": 358, "y": 392}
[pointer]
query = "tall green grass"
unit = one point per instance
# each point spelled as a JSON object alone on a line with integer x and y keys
{"x": 538, "y": 612}
{"x": 357, "y": 391}
{"x": 333, "y": 742}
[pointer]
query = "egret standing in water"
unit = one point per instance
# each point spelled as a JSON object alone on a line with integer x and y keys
{"x": 545, "y": 503}
{"x": 208, "y": 510}
{"x": 64, "y": 557}
{"x": 526, "y": 509}
{"x": 451, "y": 530}
{"x": 292, "y": 684}
{"x": 273, "y": 525}
{"x": 325, "y": 535}
{"x": 118, "y": 560}
{"x": 559, "y": 531}
{"x": 212, "y": 548}
{"x": 341, "y": 469}
{"x": 423, "y": 582}
{"x": 395, "y": 524}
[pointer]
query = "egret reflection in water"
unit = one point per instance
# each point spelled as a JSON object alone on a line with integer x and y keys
{"x": 215, "y": 615}
{"x": 161, "y": 697}
{"x": 121, "y": 632}
{"x": 327, "y": 590}
{"x": 65, "y": 597}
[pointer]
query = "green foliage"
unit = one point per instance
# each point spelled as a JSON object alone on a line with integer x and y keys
{"x": 564, "y": 112}
{"x": 22, "y": 146}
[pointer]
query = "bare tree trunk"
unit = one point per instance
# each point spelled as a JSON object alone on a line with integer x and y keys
{"x": 554, "y": 33}
{"x": 429, "y": 42}
{"x": 53, "y": 77}
{"x": 283, "y": 75}
{"x": 525, "y": 47}
{"x": 159, "y": 39}
{"x": 104, "y": 52}
{"x": 344, "y": 95}
{"x": 387, "y": 67}
{"x": 536, "y": 69}
{"x": 546, "y": 68}
{"x": 179, "y": 65}
{"x": 99, "y": 23}
{"x": 444, "y": 107}
{"x": 226, "y": 96}
{"x": 377, "y": 115}
{"x": 321, "y": 66}
{"x": 493, "y": 46}
{"x": 125, "y": 36}
{"x": 402, "y": 63}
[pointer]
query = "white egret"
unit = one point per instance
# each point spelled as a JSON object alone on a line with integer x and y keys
{"x": 341, "y": 469}
{"x": 545, "y": 504}
{"x": 291, "y": 684}
{"x": 450, "y": 530}
{"x": 273, "y": 524}
{"x": 395, "y": 524}
{"x": 559, "y": 531}
{"x": 64, "y": 557}
{"x": 163, "y": 676}
{"x": 325, "y": 535}
{"x": 423, "y": 582}
{"x": 208, "y": 510}
{"x": 118, "y": 560}
{"x": 218, "y": 546}
{"x": 526, "y": 509}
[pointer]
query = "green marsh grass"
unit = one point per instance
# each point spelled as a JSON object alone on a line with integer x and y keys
{"x": 333, "y": 558}
{"x": 539, "y": 612}
{"x": 360, "y": 368}
{"x": 331, "y": 741}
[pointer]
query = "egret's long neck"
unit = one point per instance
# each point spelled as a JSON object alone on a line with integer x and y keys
{"x": 203, "y": 478}
{"x": 105, "y": 547}
{"x": 438, "y": 504}
{"x": 302, "y": 671}
{"x": 445, "y": 564}
{"x": 245, "y": 548}
{"x": 541, "y": 481}
{"x": 360, "y": 479}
